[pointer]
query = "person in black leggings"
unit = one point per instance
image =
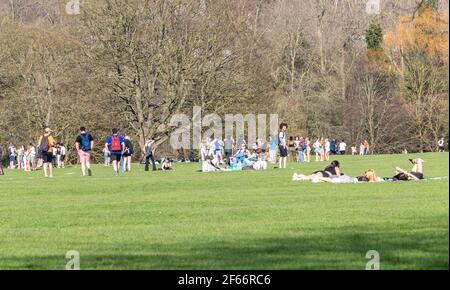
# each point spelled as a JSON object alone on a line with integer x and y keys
{"x": 149, "y": 154}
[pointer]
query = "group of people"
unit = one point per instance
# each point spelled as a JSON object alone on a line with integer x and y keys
{"x": 49, "y": 153}
{"x": 215, "y": 154}
{"x": 218, "y": 154}
{"x": 332, "y": 173}
{"x": 29, "y": 158}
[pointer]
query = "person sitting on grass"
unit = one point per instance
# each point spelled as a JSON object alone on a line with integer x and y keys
{"x": 167, "y": 165}
{"x": 415, "y": 174}
{"x": 210, "y": 165}
{"x": 331, "y": 170}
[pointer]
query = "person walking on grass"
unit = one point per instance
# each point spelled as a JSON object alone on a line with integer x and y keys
{"x": 127, "y": 153}
{"x": 116, "y": 145}
{"x": 84, "y": 145}
{"x": 106, "y": 156}
{"x": 46, "y": 143}
{"x": 149, "y": 150}
{"x": 282, "y": 145}
{"x": 441, "y": 145}
{"x": 12, "y": 152}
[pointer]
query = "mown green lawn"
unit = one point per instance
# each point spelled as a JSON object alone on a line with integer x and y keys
{"x": 228, "y": 220}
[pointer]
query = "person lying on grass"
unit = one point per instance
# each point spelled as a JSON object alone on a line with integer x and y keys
{"x": 415, "y": 174}
{"x": 331, "y": 170}
{"x": 368, "y": 176}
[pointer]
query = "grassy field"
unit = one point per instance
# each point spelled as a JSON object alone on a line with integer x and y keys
{"x": 227, "y": 220}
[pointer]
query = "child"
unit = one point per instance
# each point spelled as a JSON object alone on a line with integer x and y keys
{"x": 354, "y": 150}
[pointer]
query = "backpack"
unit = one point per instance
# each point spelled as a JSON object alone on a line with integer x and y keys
{"x": 129, "y": 147}
{"x": 115, "y": 144}
{"x": 85, "y": 142}
{"x": 44, "y": 144}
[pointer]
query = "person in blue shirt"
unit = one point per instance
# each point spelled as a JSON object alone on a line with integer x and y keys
{"x": 116, "y": 145}
{"x": 273, "y": 146}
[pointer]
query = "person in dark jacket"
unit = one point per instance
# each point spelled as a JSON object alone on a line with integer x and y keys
{"x": 127, "y": 153}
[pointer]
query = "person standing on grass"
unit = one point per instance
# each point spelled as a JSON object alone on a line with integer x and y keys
{"x": 272, "y": 150}
{"x": 20, "y": 159}
{"x": 12, "y": 152}
{"x": 333, "y": 146}
{"x": 366, "y": 147}
{"x": 116, "y": 145}
{"x": 127, "y": 153}
{"x": 217, "y": 144}
{"x": 46, "y": 143}
{"x": 33, "y": 154}
{"x": 342, "y": 147}
{"x": 441, "y": 145}
{"x": 327, "y": 150}
{"x": 149, "y": 150}
{"x": 353, "y": 149}
{"x": 282, "y": 145}
{"x": 62, "y": 158}
{"x": 307, "y": 150}
{"x": 106, "y": 156}
{"x": 84, "y": 145}
{"x": 228, "y": 148}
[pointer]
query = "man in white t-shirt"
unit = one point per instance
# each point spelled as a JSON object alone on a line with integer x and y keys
{"x": 441, "y": 145}
{"x": 342, "y": 147}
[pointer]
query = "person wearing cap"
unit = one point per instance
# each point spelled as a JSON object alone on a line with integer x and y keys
{"x": 45, "y": 144}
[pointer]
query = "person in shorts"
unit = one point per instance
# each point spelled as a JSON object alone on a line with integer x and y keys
{"x": 441, "y": 145}
{"x": 415, "y": 174}
{"x": 116, "y": 145}
{"x": 46, "y": 143}
{"x": 127, "y": 153}
{"x": 84, "y": 145}
{"x": 282, "y": 145}
{"x": 12, "y": 152}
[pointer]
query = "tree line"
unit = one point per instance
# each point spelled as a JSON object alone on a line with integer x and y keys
{"x": 328, "y": 68}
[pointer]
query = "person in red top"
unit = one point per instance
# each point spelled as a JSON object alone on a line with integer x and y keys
{"x": 116, "y": 145}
